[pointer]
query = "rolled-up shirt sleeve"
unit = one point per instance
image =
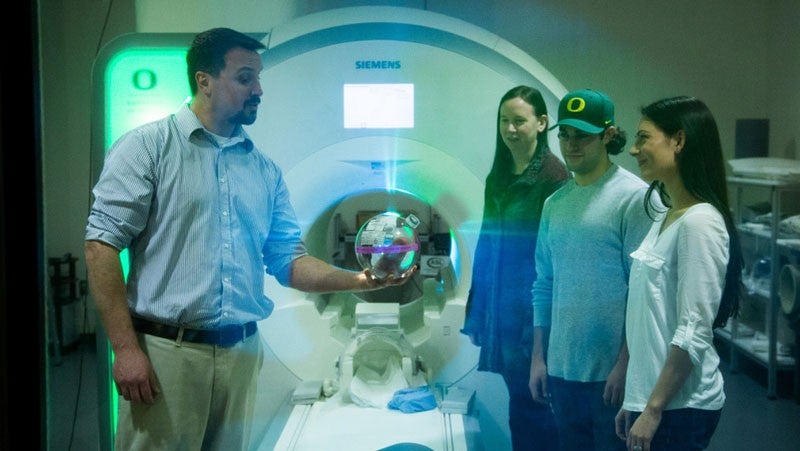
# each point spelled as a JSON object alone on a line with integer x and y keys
{"x": 124, "y": 193}
{"x": 702, "y": 263}
{"x": 284, "y": 243}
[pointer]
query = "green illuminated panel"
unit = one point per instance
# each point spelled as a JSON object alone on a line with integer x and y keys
{"x": 141, "y": 85}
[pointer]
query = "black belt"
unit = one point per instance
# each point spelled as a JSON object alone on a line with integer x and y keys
{"x": 225, "y": 336}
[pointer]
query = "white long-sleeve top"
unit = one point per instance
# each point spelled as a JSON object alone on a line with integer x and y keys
{"x": 676, "y": 284}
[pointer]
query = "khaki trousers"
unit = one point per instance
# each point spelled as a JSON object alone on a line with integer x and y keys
{"x": 206, "y": 401}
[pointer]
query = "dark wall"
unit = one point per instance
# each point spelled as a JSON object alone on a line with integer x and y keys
{"x": 21, "y": 286}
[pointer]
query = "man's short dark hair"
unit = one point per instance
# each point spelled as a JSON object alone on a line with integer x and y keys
{"x": 208, "y": 50}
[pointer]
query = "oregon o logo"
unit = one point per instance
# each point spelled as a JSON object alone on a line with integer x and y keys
{"x": 576, "y": 105}
{"x": 144, "y": 79}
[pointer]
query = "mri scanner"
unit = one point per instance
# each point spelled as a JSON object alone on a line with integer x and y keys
{"x": 366, "y": 110}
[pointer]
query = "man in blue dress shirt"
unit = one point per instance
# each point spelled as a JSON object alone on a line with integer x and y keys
{"x": 203, "y": 214}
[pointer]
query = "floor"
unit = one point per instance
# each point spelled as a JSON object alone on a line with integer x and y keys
{"x": 750, "y": 420}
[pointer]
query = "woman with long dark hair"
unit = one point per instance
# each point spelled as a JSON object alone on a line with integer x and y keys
{"x": 685, "y": 282}
{"x": 499, "y": 315}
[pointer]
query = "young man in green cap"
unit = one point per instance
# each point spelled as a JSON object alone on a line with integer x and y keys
{"x": 588, "y": 229}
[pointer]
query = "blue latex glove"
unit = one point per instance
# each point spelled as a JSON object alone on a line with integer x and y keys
{"x": 410, "y": 400}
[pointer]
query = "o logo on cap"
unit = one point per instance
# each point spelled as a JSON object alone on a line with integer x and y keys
{"x": 576, "y": 105}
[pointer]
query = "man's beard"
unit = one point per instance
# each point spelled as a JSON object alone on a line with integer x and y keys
{"x": 244, "y": 118}
{"x": 247, "y": 116}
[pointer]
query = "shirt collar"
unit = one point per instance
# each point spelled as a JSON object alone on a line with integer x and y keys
{"x": 189, "y": 124}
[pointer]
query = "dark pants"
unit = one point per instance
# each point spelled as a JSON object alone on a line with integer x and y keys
{"x": 683, "y": 429}
{"x": 532, "y": 424}
{"x": 585, "y": 422}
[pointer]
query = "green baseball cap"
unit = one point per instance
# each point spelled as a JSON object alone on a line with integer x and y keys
{"x": 587, "y": 110}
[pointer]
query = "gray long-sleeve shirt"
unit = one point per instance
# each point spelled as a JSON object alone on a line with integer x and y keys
{"x": 583, "y": 260}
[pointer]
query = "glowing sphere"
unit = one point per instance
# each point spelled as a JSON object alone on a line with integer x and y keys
{"x": 388, "y": 244}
